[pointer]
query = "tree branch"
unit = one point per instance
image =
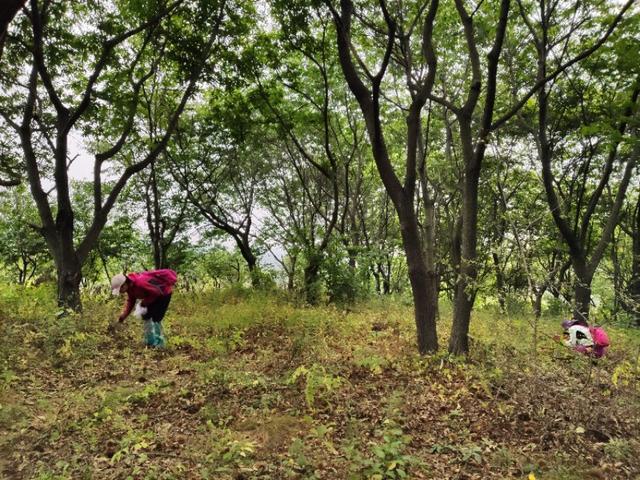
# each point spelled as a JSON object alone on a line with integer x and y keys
{"x": 581, "y": 56}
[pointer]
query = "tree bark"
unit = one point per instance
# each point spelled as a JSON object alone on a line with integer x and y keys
{"x": 69, "y": 278}
{"x": 312, "y": 278}
{"x": 467, "y": 271}
{"x": 473, "y": 156}
{"x": 433, "y": 284}
{"x": 8, "y": 11}
{"x": 633, "y": 288}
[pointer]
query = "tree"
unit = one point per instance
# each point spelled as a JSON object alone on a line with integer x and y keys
{"x": 167, "y": 214}
{"x": 216, "y": 162}
{"x": 631, "y": 227}
{"x": 592, "y": 160}
{"x": 366, "y": 87}
{"x": 310, "y": 124}
{"x": 8, "y": 11}
{"x": 120, "y": 247}
{"x": 22, "y": 248}
{"x": 125, "y": 47}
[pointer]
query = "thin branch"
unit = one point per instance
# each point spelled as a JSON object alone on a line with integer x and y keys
{"x": 581, "y": 56}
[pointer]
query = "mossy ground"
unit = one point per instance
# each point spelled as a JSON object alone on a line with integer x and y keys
{"x": 253, "y": 386}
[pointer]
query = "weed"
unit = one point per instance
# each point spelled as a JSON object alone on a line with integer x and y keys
{"x": 619, "y": 449}
{"x": 211, "y": 414}
{"x": 317, "y": 382}
{"x": 297, "y": 457}
{"x": 12, "y": 416}
{"x": 7, "y": 377}
{"x": 61, "y": 472}
{"x": 228, "y": 452}
{"x": 385, "y": 459}
{"x": 471, "y": 453}
{"x": 132, "y": 446}
{"x": 503, "y": 458}
{"x": 149, "y": 391}
{"x": 370, "y": 360}
{"x": 626, "y": 374}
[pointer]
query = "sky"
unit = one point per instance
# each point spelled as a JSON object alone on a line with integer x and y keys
{"x": 82, "y": 166}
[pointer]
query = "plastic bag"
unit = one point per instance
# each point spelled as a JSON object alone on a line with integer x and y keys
{"x": 153, "y": 334}
{"x": 140, "y": 311}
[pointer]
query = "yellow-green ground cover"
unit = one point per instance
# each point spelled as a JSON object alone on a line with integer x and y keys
{"x": 253, "y": 386}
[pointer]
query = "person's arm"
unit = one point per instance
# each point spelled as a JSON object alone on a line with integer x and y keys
{"x": 131, "y": 301}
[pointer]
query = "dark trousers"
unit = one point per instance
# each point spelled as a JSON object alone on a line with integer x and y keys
{"x": 157, "y": 309}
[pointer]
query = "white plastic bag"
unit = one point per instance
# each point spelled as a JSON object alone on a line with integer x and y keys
{"x": 140, "y": 310}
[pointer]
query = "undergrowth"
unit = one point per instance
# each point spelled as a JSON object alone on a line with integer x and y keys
{"x": 254, "y": 386}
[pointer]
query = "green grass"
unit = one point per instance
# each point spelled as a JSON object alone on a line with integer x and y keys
{"x": 253, "y": 386}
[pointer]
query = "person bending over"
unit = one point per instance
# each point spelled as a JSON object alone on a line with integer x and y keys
{"x": 152, "y": 289}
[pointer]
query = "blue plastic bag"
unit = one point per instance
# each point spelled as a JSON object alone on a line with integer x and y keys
{"x": 153, "y": 334}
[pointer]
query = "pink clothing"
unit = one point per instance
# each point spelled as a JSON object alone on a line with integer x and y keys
{"x": 592, "y": 341}
{"x": 600, "y": 340}
{"x": 148, "y": 287}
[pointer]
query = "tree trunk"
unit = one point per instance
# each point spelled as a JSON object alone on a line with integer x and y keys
{"x": 312, "y": 280}
{"x": 433, "y": 285}
{"x": 467, "y": 272}
{"x": 386, "y": 279}
{"x": 618, "y": 285}
{"x": 61, "y": 245}
{"x": 581, "y": 289}
{"x": 633, "y": 288}
{"x": 499, "y": 282}
{"x": 254, "y": 274}
{"x": 69, "y": 277}
{"x": 423, "y": 299}
{"x": 376, "y": 278}
{"x": 250, "y": 259}
{"x": 291, "y": 273}
{"x": 401, "y": 194}
{"x": 537, "y": 302}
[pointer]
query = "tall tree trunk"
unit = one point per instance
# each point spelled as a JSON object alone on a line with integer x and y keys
{"x": 376, "y": 278}
{"x": 254, "y": 274}
{"x": 499, "y": 282}
{"x": 433, "y": 285}
{"x": 537, "y": 302}
{"x": 429, "y": 229}
{"x": 425, "y": 305}
{"x": 581, "y": 289}
{"x": 69, "y": 278}
{"x": 312, "y": 279}
{"x": 467, "y": 272}
{"x": 291, "y": 273}
{"x": 69, "y": 270}
{"x": 386, "y": 278}
{"x": 633, "y": 289}
{"x": 250, "y": 259}
{"x": 473, "y": 155}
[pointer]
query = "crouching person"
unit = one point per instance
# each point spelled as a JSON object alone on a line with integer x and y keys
{"x": 589, "y": 340}
{"x": 153, "y": 290}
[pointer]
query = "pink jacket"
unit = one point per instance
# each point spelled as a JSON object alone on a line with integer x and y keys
{"x": 148, "y": 287}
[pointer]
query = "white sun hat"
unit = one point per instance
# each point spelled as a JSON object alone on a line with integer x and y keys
{"x": 116, "y": 282}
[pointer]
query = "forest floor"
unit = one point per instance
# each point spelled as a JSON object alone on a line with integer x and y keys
{"x": 253, "y": 387}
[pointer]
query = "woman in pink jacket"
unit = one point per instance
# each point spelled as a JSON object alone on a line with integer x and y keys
{"x": 153, "y": 290}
